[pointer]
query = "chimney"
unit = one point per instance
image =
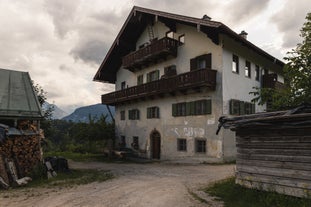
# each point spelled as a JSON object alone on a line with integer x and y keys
{"x": 205, "y": 17}
{"x": 244, "y": 34}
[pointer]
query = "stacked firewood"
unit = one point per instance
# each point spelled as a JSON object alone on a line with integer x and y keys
{"x": 24, "y": 149}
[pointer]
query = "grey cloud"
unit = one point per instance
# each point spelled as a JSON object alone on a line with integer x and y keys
{"x": 289, "y": 21}
{"x": 91, "y": 52}
{"x": 239, "y": 11}
{"x": 63, "y": 14}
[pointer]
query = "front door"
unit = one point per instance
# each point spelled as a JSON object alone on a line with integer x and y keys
{"x": 155, "y": 139}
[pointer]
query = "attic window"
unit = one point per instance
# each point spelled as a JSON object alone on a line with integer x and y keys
{"x": 170, "y": 34}
{"x": 181, "y": 39}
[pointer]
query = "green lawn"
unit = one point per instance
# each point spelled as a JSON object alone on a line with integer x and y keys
{"x": 235, "y": 195}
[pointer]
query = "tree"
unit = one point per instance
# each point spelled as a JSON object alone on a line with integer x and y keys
{"x": 41, "y": 94}
{"x": 297, "y": 75}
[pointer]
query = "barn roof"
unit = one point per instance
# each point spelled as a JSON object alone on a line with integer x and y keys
{"x": 137, "y": 21}
{"x": 297, "y": 117}
{"x": 17, "y": 96}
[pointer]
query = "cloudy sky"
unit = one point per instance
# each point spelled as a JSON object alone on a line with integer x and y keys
{"x": 61, "y": 43}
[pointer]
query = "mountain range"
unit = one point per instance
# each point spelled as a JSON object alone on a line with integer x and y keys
{"x": 83, "y": 114}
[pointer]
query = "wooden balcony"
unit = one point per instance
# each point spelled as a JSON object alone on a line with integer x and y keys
{"x": 270, "y": 81}
{"x": 190, "y": 80}
{"x": 157, "y": 50}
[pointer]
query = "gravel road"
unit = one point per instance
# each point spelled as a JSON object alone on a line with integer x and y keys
{"x": 139, "y": 185}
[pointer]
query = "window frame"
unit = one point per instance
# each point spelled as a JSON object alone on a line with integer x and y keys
{"x": 235, "y": 59}
{"x": 201, "y": 149}
{"x": 167, "y": 34}
{"x": 122, "y": 115}
{"x": 181, "y": 39}
{"x": 140, "y": 79}
{"x": 153, "y": 112}
{"x": 257, "y": 72}
{"x": 248, "y": 69}
{"x": 133, "y": 114}
{"x": 135, "y": 142}
{"x": 181, "y": 144}
{"x": 179, "y": 109}
{"x": 153, "y": 76}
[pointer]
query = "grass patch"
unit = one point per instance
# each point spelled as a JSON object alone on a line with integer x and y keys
{"x": 78, "y": 156}
{"x": 196, "y": 197}
{"x": 72, "y": 178}
{"x": 235, "y": 195}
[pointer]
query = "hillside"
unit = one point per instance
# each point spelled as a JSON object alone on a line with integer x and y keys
{"x": 95, "y": 111}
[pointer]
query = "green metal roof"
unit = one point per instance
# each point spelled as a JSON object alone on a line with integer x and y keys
{"x": 17, "y": 96}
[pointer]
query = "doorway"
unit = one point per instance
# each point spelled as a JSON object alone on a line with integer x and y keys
{"x": 155, "y": 141}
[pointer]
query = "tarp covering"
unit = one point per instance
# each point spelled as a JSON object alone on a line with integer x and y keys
{"x": 300, "y": 116}
{"x": 17, "y": 96}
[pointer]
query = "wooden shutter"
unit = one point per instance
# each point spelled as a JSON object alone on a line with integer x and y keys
{"x": 190, "y": 108}
{"x": 208, "y": 106}
{"x": 148, "y": 113}
{"x": 193, "y": 64}
{"x": 157, "y": 112}
{"x": 208, "y": 59}
{"x": 174, "y": 109}
{"x": 234, "y": 107}
{"x": 148, "y": 77}
{"x": 157, "y": 75}
{"x": 242, "y": 108}
{"x": 253, "y": 109}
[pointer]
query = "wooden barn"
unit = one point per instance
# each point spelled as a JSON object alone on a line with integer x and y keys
{"x": 20, "y": 115}
{"x": 274, "y": 150}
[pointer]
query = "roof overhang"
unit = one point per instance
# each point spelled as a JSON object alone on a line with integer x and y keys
{"x": 137, "y": 21}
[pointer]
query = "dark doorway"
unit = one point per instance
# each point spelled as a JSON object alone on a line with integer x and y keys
{"x": 155, "y": 139}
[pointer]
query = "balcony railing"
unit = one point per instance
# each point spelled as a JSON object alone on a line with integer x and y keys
{"x": 193, "y": 79}
{"x": 156, "y": 50}
{"x": 270, "y": 81}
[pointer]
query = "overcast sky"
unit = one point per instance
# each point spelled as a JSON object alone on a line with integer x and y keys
{"x": 61, "y": 43}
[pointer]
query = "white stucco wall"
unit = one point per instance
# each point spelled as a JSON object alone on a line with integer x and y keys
{"x": 238, "y": 86}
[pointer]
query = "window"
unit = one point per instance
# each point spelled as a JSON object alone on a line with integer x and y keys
{"x": 122, "y": 142}
{"x": 170, "y": 34}
{"x": 179, "y": 109}
{"x": 247, "y": 69}
{"x": 181, "y": 145}
{"x": 153, "y": 76}
{"x": 257, "y": 72}
{"x": 201, "y": 62}
{"x": 170, "y": 71}
{"x": 140, "y": 79}
{"x": 200, "y": 107}
{"x": 134, "y": 114}
{"x": 235, "y": 64}
{"x": 123, "y": 85}
{"x": 122, "y": 114}
{"x": 153, "y": 112}
{"x": 181, "y": 39}
{"x": 135, "y": 143}
{"x": 241, "y": 107}
{"x": 200, "y": 145}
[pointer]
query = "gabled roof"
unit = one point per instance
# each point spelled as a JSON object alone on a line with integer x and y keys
{"x": 17, "y": 96}
{"x": 137, "y": 21}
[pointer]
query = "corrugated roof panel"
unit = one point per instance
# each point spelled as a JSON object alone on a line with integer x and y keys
{"x": 17, "y": 96}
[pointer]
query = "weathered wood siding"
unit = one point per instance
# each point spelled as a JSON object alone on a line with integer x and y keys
{"x": 275, "y": 158}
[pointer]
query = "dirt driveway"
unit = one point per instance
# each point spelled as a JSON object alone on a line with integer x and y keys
{"x": 139, "y": 185}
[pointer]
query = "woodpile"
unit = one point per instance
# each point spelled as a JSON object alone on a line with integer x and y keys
{"x": 23, "y": 149}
